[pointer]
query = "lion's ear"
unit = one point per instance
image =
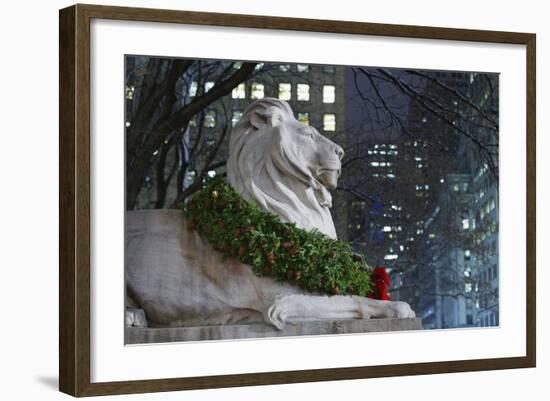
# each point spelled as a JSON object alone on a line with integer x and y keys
{"x": 270, "y": 117}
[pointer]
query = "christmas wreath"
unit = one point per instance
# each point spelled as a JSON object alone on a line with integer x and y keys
{"x": 308, "y": 259}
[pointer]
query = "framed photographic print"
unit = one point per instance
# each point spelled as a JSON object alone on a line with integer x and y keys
{"x": 302, "y": 200}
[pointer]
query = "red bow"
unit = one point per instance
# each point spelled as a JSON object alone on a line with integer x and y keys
{"x": 381, "y": 283}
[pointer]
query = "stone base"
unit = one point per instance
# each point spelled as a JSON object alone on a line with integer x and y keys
{"x": 135, "y": 335}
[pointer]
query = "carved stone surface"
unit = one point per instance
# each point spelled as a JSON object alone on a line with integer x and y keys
{"x": 134, "y": 335}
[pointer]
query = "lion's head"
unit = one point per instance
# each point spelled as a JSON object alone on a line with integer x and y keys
{"x": 283, "y": 165}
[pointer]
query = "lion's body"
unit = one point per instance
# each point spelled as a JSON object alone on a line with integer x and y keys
{"x": 179, "y": 279}
{"x": 283, "y": 166}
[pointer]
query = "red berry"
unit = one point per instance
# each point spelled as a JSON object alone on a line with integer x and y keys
{"x": 271, "y": 258}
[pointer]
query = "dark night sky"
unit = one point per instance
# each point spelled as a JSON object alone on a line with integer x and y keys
{"x": 363, "y": 120}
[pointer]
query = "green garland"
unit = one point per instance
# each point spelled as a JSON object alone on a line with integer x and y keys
{"x": 280, "y": 250}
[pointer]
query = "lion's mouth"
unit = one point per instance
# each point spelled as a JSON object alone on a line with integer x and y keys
{"x": 329, "y": 177}
{"x": 329, "y": 170}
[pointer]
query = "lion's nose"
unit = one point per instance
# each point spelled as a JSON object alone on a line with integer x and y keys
{"x": 339, "y": 151}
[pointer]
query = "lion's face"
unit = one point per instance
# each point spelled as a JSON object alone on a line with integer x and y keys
{"x": 284, "y": 166}
{"x": 306, "y": 148}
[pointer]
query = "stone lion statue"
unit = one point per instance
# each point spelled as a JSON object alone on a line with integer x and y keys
{"x": 178, "y": 279}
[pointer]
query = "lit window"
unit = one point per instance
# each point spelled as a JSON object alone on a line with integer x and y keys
{"x": 303, "y": 92}
{"x": 210, "y": 119}
{"x": 468, "y": 287}
{"x": 257, "y": 91}
{"x": 467, "y": 254}
{"x": 386, "y": 229}
{"x": 391, "y": 256}
{"x": 302, "y": 68}
{"x": 284, "y": 67}
{"x": 239, "y": 92}
{"x": 130, "y": 92}
{"x": 236, "y": 117}
{"x": 208, "y": 86}
{"x": 329, "y": 93}
{"x": 329, "y": 122}
{"x": 303, "y": 118}
{"x": 211, "y": 173}
{"x": 193, "y": 89}
{"x": 465, "y": 224}
{"x": 285, "y": 91}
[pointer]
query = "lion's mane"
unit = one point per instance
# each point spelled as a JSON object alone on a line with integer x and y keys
{"x": 266, "y": 169}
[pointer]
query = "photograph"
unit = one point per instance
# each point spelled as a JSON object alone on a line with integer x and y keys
{"x": 273, "y": 199}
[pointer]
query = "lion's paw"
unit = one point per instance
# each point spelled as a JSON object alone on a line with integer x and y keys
{"x": 276, "y": 314}
{"x": 135, "y": 318}
{"x": 402, "y": 310}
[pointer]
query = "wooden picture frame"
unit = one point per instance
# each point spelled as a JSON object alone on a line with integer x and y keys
{"x": 74, "y": 204}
